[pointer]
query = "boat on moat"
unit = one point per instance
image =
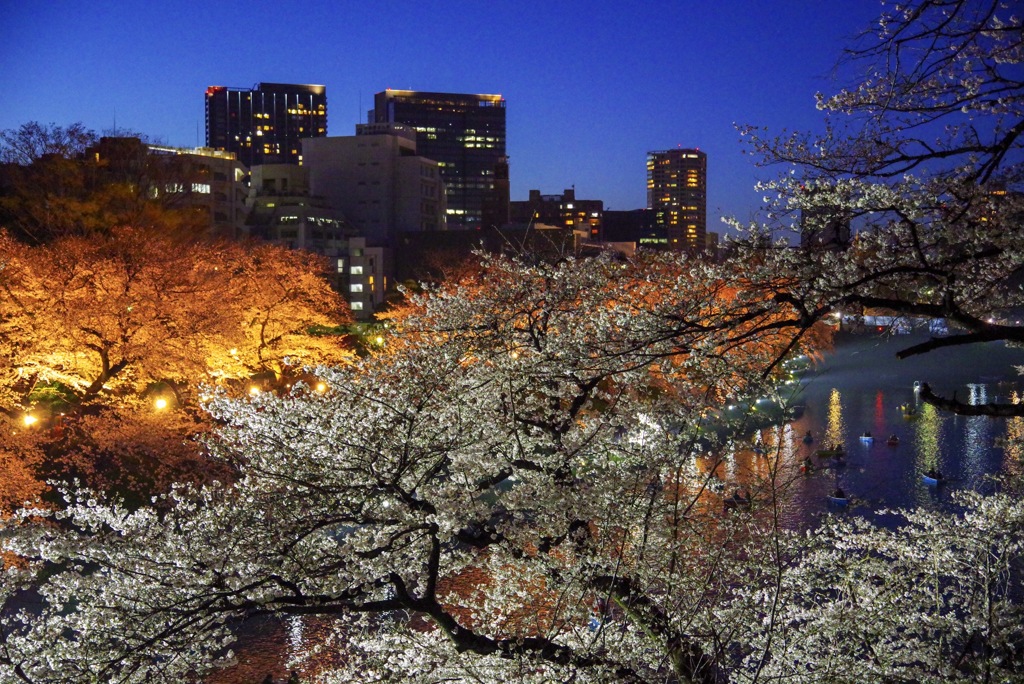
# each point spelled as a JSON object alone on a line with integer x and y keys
{"x": 831, "y": 451}
{"x": 838, "y": 497}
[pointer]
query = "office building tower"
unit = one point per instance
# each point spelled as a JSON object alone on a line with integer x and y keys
{"x": 564, "y": 211}
{"x": 264, "y": 124}
{"x": 204, "y": 187}
{"x": 464, "y": 134}
{"x": 677, "y": 192}
{"x": 377, "y": 179}
{"x": 635, "y": 225}
{"x": 283, "y": 212}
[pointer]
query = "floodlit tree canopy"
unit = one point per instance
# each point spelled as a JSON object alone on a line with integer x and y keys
{"x": 107, "y": 340}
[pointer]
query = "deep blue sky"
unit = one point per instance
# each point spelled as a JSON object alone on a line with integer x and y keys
{"x": 590, "y": 86}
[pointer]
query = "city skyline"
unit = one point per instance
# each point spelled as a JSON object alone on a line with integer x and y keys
{"x": 591, "y": 89}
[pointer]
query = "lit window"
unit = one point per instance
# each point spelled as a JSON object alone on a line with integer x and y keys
{"x": 341, "y": 265}
{"x": 356, "y": 306}
{"x": 355, "y": 287}
{"x": 356, "y": 270}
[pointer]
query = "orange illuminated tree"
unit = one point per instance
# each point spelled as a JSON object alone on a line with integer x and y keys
{"x": 96, "y": 329}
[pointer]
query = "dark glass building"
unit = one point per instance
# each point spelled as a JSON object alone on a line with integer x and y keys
{"x": 465, "y": 134}
{"x": 677, "y": 192}
{"x": 263, "y": 125}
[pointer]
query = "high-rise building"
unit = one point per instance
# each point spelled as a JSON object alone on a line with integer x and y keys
{"x": 377, "y": 179}
{"x": 564, "y": 211}
{"x": 464, "y": 134}
{"x": 634, "y": 225}
{"x": 264, "y": 124}
{"x": 205, "y": 187}
{"x": 677, "y": 192}
{"x": 283, "y": 212}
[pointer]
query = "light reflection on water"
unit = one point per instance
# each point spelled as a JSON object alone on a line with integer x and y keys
{"x": 863, "y": 387}
{"x": 836, "y": 433}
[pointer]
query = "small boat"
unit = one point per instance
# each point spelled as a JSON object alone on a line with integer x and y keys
{"x": 933, "y": 478}
{"x": 831, "y": 451}
{"x": 866, "y": 437}
{"x": 807, "y": 466}
{"x": 909, "y": 412}
{"x": 838, "y": 498}
{"x": 808, "y": 438}
{"x": 893, "y": 440}
{"x": 760, "y": 449}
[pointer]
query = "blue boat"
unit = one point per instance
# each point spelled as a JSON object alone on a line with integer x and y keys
{"x": 838, "y": 497}
{"x": 932, "y": 478}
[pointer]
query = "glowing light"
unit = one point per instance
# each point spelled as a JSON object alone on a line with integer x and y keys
{"x": 836, "y": 430}
{"x": 30, "y": 419}
{"x": 321, "y": 387}
{"x": 160, "y": 404}
{"x": 254, "y": 390}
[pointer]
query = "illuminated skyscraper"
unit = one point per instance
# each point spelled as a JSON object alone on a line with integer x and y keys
{"x": 677, "y": 192}
{"x": 263, "y": 125}
{"x": 464, "y": 134}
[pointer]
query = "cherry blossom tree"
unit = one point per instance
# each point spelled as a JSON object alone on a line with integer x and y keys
{"x": 926, "y": 156}
{"x": 516, "y": 485}
{"x": 511, "y": 490}
{"x": 107, "y": 340}
{"x": 518, "y": 429}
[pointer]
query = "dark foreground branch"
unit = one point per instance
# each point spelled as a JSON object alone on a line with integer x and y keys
{"x": 994, "y": 410}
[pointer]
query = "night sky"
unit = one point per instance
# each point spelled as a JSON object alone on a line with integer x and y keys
{"x": 590, "y": 86}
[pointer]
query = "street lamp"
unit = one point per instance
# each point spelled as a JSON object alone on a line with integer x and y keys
{"x": 160, "y": 404}
{"x": 30, "y": 420}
